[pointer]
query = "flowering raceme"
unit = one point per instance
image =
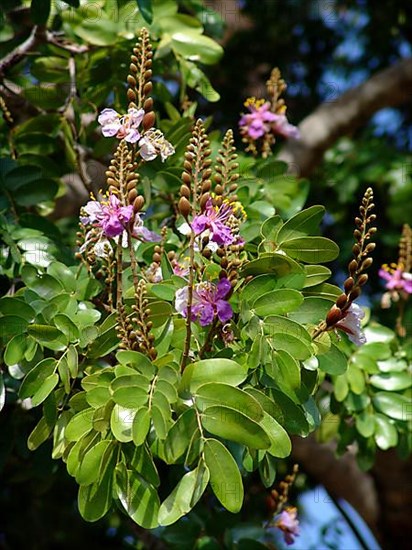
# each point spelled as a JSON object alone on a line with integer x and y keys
{"x": 261, "y": 121}
{"x": 209, "y": 301}
{"x": 122, "y": 126}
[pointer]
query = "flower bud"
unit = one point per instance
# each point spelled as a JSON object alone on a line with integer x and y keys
{"x": 363, "y": 279}
{"x": 334, "y": 316}
{"x": 184, "y": 191}
{"x": 138, "y": 203}
{"x": 149, "y": 120}
{"x": 341, "y": 301}
{"x": 348, "y": 284}
{"x": 184, "y": 207}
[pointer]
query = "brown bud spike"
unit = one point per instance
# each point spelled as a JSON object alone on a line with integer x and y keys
{"x": 138, "y": 203}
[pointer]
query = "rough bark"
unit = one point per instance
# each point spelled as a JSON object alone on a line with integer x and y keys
{"x": 330, "y": 121}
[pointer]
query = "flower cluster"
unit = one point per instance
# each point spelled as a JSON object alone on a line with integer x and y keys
{"x": 261, "y": 121}
{"x": 208, "y": 302}
{"x": 122, "y": 126}
{"x": 219, "y": 223}
{"x": 288, "y": 523}
{"x": 109, "y": 219}
{"x": 398, "y": 282}
{"x": 152, "y": 143}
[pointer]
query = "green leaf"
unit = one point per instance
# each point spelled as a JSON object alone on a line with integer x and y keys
{"x": 179, "y": 436}
{"x": 393, "y": 381}
{"x": 45, "y": 389}
{"x": 184, "y": 496}
{"x": 141, "y": 426}
{"x": 281, "y": 445}
{"x": 13, "y": 306}
{"x": 31, "y": 194}
{"x": 11, "y": 325}
{"x": 72, "y": 361}
{"x": 63, "y": 274}
{"x": 393, "y": 405}
{"x": 15, "y": 350}
{"x": 365, "y": 423}
{"x": 277, "y": 264}
{"x": 231, "y": 424}
{"x": 225, "y": 478}
{"x": 209, "y": 370}
{"x": 314, "y": 250}
{"x": 324, "y": 290}
{"x": 138, "y": 497}
{"x": 333, "y": 362}
{"x": 66, "y": 326}
{"x": 288, "y": 335}
{"x": 89, "y": 468}
{"x": 271, "y": 227}
{"x": 79, "y": 425}
{"x": 37, "y": 376}
{"x": 386, "y": 435}
{"x": 265, "y": 283}
{"x": 146, "y": 9}
{"x": 312, "y": 311}
{"x": 40, "y": 434}
{"x": 306, "y": 222}
{"x": 94, "y": 500}
{"x": 121, "y": 422}
{"x": 316, "y": 274}
{"x": 356, "y": 379}
{"x": 216, "y": 393}
{"x": 277, "y": 302}
{"x": 196, "y": 47}
{"x": 40, "y": 11}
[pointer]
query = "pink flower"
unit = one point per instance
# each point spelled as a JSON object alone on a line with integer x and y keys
{"x": 216, "y": 220}
{"x": 351, "y": 324}
{"x": 288, "y": 523}
{"x": 110, "y": 216}
{"x": 122, "y": 126}
{"x": 261, "y": 120}
{"x": 257, "y": 123}
{"x": 282, "y": 127}
{"x": 396, "y": 278}
{"x": 208, "y": 302}
{"x": 153, "y": 143}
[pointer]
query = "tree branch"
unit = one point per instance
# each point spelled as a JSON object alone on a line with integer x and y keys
{"x": 330, "y": 121}
{"x": 37, "y": 35}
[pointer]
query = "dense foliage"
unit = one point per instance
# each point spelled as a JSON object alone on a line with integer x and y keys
{"x": 168, "y": 349}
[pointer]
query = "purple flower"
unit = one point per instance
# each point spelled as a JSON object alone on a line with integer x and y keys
{"x": 257, "y": 123}
{"x": 288, "y": 523}
{"x": 122, "y": 126}
{"x": 207, "y": 303}
{"x": 142, "y": 233}
{"x": 351, "y": 324}
{"x": 215, "y": 219}
{"x": 282, "y": 127}
{"x": 260, "y": 121}
{"x": 110, "y": 216}
{"x": 396, "y": 278}
{"x": 153, "y": 143}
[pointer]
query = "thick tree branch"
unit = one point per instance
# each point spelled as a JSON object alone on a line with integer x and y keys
{"x": 322, "y": 128}
{"x": 37, "y": 35}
